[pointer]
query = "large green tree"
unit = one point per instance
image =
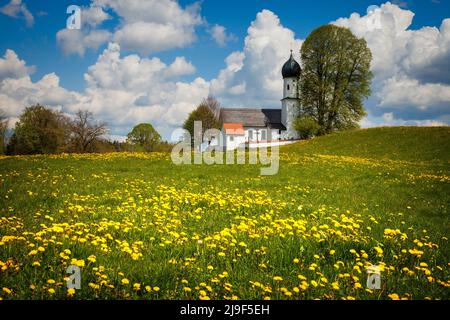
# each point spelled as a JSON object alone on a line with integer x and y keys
{"x": 144, "y": 136}
{"x": 39, "y": 130}
{"x": 336, "y": 77}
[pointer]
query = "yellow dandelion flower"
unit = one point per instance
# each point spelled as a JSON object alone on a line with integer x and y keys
{"x": 7, "y": 290}
{"x": 277, "y": 278}
{"x": 379, "y": 251}
{"x": 394, "y": 296}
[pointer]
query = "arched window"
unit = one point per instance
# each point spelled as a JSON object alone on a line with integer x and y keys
{"x": 288, "y": 87}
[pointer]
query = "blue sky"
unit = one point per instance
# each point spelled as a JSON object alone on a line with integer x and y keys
{"x": 35, "y": 43}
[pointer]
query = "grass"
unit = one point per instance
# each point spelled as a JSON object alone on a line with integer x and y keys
{"x": 142, "y": 228}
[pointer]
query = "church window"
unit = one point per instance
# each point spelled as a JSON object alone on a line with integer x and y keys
{"x": 288, "y": 87}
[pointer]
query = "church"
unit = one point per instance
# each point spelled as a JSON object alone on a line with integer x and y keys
{"x": 265, "y": 127}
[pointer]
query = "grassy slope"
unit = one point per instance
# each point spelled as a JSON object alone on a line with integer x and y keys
{"x": 394, "y": 143}
{"x": 401, "y": 151}
{"x": 398, "y": 175}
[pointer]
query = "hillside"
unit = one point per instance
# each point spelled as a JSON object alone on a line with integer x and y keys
{"x": 142, "y": 228}
{"x": 389, "y": 167}
{"x": 395, "y": 143}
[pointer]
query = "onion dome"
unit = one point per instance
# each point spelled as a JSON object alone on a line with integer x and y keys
{"x": 291, "y": 68}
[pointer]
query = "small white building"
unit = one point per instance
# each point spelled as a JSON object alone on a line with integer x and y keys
{"x": 257, "y": 127}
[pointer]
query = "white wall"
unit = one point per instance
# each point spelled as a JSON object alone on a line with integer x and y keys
{"x": 275, "y": 134}
{"x": 257, "y": 134}
{"x": 290, "y": 88}
{"x": 233, "y": 141}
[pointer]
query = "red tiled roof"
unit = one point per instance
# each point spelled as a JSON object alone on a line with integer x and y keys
{"x": 234, "y": 128}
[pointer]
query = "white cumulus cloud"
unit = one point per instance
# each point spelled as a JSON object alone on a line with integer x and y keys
{"x": 220, "y": 35}
{"x": 252, "y": 77}
{"x": 121, "y": 90}
{"x": 73, "y": 41}
{"x": 12, "y": 67}
{"x": 153, "y": 25}
{"x": 17, "y": 9}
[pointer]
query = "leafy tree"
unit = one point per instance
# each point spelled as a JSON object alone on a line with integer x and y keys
{"x": 207, "y": 112}
{"x": 85, "y": 132}
{"x": 335, "y": 78}
{"x": 307, "y": 126}
{"x": 3, "y": 128}
{"x": 144, "y": 136}
{"x": 39, "y": 130}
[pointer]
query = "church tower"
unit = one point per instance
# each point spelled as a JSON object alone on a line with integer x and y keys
{"x": 290, "y": 104}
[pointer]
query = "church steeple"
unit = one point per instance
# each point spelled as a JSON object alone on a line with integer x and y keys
{"x": 290, "y": 108}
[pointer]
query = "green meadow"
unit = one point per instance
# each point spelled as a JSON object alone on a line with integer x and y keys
{"x": 140, "y": 227}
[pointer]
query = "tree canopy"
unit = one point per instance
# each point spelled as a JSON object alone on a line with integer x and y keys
{"x": 39, "y": 130}
{"x": 336, "y": 78}
{"x": 144, "y": 136}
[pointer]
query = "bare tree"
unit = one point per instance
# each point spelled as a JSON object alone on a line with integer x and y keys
{"x": 213, "y": 105}
{"x": 3, "y": 128}
{"x": 85, "y": 132}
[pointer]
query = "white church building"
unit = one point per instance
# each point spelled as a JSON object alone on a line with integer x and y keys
{"x": 265, "y": 127}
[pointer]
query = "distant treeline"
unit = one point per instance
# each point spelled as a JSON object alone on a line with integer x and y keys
{"x": 41, "y": 130}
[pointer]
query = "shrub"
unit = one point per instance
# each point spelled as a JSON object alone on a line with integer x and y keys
{"x": 306, "y": 126}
